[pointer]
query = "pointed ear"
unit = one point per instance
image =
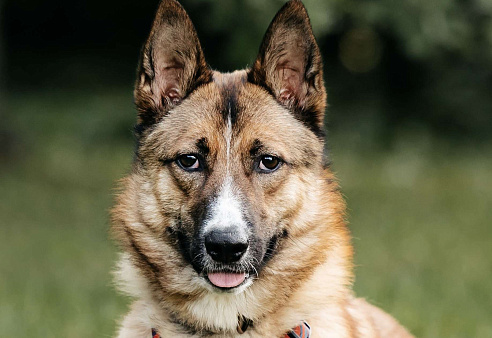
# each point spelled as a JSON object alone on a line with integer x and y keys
{"x": 289, "y": 65}
{"x": 171, "y": 65}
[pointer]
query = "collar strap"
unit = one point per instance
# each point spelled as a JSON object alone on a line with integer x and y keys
{"x": 301, "y": 331}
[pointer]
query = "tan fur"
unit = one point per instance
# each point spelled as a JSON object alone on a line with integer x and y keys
{"x": 280, "y": 105}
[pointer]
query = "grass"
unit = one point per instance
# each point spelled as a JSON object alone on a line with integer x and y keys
{"x": 421, "y": 226}
{"x": 420, "y": 216}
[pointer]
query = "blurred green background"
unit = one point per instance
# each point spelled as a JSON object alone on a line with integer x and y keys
{"x": 409, "y": 132}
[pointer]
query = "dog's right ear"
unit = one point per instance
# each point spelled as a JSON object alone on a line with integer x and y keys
{"x": 171, "y": 65}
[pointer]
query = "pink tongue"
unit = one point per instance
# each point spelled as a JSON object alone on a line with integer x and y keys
{"x": 226, "y": 280}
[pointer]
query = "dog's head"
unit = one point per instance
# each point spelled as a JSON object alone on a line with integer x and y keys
{"x": 227, "y": 165}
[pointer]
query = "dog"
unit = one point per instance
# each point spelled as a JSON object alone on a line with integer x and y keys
{"x": 231, "y": 222}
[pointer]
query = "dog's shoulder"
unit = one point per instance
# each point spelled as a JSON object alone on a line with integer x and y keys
{"x": 370, "y": 321}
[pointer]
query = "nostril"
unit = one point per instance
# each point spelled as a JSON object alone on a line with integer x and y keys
{"x": 238, "y": 249}
{"x": 225, "y": 247}
{"x": 213, "y": 249}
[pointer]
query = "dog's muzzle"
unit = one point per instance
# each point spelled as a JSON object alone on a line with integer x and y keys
{"x": 226, "y": 248}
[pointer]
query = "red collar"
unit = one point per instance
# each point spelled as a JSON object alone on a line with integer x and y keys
{"x": 301, "y": 331}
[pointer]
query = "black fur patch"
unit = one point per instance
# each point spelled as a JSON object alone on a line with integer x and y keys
{"x": 272, "y": 247}
{"x": 202, "y": 144}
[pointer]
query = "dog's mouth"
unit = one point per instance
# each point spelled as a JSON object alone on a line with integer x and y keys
{"x": 229, "y": 276}
{"x": 227, "y": 280}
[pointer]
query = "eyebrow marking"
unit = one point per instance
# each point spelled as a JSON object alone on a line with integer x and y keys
{"x": 256, "y": 147}
{"x": 202, "y": 145}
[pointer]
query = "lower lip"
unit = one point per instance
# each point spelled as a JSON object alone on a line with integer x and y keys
{"x": 227, "y": 280}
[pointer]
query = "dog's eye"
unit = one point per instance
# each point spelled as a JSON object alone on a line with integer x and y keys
{"x": 189, "y": 162}
{"x": 269, "y": 163}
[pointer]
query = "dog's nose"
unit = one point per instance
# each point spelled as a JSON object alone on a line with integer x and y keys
{"x": 225, "y": 247}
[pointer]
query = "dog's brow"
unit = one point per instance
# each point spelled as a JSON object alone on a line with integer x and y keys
{"x": 256, "y": 147}
{"x": 202, "y": 145}
{"x": 259, "y": 148}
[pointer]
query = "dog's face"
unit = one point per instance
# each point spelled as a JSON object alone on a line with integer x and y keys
{"x": 225, "y": 162}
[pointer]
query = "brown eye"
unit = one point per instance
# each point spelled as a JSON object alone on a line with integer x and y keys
{"x": 269, "y": 163}
{"x": 189, "y": 162}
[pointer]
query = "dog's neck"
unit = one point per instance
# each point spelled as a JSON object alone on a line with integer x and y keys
{"x": 303, "y": 330}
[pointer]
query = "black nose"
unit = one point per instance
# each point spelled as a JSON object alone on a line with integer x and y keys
{"x": 225, "y": 247}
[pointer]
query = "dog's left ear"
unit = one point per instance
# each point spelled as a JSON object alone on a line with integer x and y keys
{"x": 289, "y": 65}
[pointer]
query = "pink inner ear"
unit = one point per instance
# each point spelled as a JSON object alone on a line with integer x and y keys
{"x": 168, "y": 83}
{"x": 291, "y": 82}
{"x": 292, "y": 86}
